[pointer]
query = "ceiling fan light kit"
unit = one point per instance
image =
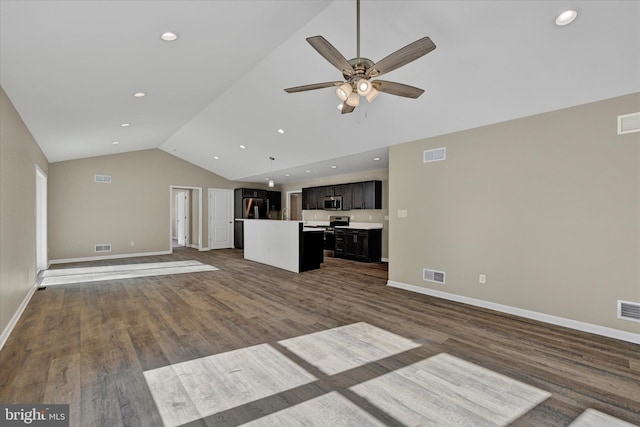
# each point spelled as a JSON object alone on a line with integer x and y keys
{"x": 359, "y": 71}
{"x": 344, "y": 91}
{"x": 353, "y": 100}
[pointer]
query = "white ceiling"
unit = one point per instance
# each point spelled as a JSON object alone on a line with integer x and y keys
{"x": 71, "y": 67}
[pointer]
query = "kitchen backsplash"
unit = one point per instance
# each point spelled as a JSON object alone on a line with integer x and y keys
{"x": 367, "y": 215}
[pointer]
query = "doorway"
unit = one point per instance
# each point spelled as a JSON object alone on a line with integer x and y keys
{"x": 42, "y": 261}
{"x": 185, "y": 213}
{"x": 294, "y": 206}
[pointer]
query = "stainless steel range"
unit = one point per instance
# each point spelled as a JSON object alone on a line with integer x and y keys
{"x": 329, "y": 232}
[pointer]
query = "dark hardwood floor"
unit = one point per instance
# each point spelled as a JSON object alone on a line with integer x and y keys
{"x": 88, "y": 344}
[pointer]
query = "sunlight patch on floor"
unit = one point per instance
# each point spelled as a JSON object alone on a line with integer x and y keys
{"x": 191, "y": 390}
{"x": 63, "y": 276}
{"x": 439, "y": 390}
{"x": 593, "y": 418}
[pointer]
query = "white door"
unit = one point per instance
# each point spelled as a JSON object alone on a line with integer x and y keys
{"x": 182, "y": 220}
{"x": 41, "y": 221}
{"x": 220, "y": 218}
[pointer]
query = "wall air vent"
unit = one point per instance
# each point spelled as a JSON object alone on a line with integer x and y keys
{"x": 432, "y": 275}
{"x": 629, "y": 310}
{"x": 628, "y": 123}
{"x": 103, "y": 179}
{"x": 434, "y": 155}
{"x": 103, "y": 248}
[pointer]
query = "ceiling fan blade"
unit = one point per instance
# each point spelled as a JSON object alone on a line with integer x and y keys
{"x": 401, "y": 57}
{"x": 313, "y": 86}
{"x": 331, "y": 54}
{"x": 399, "y": 89}
{"x": 347, "y": 108}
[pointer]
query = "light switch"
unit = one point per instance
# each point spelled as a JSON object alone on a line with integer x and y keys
{"x": 402, "y": 213}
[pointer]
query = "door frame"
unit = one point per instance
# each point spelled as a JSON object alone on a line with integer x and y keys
{"x": 198, "y": 196}
{"x": 231, "y": 215}
{"x": 288, "y": 204}
{"x": 185, "y": 228}
{"x": 42, "y": 248}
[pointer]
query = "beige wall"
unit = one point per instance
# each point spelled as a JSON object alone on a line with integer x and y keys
{"x": 19, "y": 155}
{"x": 356, "y": 215}
{"x": 136, "y": 206}
{"x": 548, "y": 207}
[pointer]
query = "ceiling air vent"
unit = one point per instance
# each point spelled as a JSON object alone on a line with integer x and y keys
{"x": 629, "y": 310}
{"x": 103, "y": 248}
{"x": 628, "y": 123}
{"x": 103, "y": 179}
{"x": 432, "y": 275}
{"x": 434, "y": 155}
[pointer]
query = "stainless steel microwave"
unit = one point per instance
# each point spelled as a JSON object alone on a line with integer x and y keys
{"x": 333, "y": 203}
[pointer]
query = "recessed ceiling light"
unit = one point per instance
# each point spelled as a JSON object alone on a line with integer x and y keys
{"x": 169, "y": 36}
{"x": 115, "y": 142}
{"x": 287, "y": 174}
{"x": 124, "y": 125}
{"x": 139, "y": 94}
{"x": 242, "y": 147}
{"x": 308, "y": 171}
{"x": 280, "y": 131}
{"x": 333, "y": 166}
{"x": 375, "y": 159}
{"x": 216, "y": 157}
{"x": 566, "y": 17}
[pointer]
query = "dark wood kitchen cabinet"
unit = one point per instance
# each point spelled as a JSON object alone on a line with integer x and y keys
{"x": 366, "y": 195}
{"x": 357, "y": 195}
{"x": 359, "y": 245}
{"x": 275, "y": 200}
{"x": 310, "y": 198}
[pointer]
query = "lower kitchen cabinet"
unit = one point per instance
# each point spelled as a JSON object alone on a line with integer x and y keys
{"x": 359, "y": 245}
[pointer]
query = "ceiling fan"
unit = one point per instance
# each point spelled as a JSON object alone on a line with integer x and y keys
{"x": 358, "y": 72}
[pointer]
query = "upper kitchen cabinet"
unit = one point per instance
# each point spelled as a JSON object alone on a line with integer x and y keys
{"x": 344, "y": 191}
{"x": 275, "y": 200}
{"x": 366, "y": 195}
{"x": 358, "y": 195}
{"x": 310, "y": 198}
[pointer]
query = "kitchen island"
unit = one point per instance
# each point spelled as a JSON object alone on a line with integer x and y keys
{"x": 283, "y": 244}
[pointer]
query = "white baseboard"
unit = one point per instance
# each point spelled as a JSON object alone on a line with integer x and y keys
{"x": 204, "y": 249}
{"x": 542, "y": 317}
{"x": 103, "y": 257}
{"x": 16, "y": 316}
{"x": 383, "y": 259}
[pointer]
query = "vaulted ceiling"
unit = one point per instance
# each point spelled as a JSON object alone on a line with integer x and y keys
{"x": 71, "y": 69}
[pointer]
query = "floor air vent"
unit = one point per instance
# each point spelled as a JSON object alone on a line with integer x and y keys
{"x": 629, "y": 310}
{"x": 432, "y": 275}
{"x": 104, "y": 179}
{"x": 103, "y": 248}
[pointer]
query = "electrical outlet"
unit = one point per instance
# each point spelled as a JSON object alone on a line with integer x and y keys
{"x": 133, "y": 243}
{"x": 370, "y": 217}
{"x": 352, "y": 217}
{"x": 482, "y": 278}
{"x": 386, "y": 217}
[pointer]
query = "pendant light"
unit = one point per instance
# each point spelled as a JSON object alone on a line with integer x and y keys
{"x": 271, "y": 183}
